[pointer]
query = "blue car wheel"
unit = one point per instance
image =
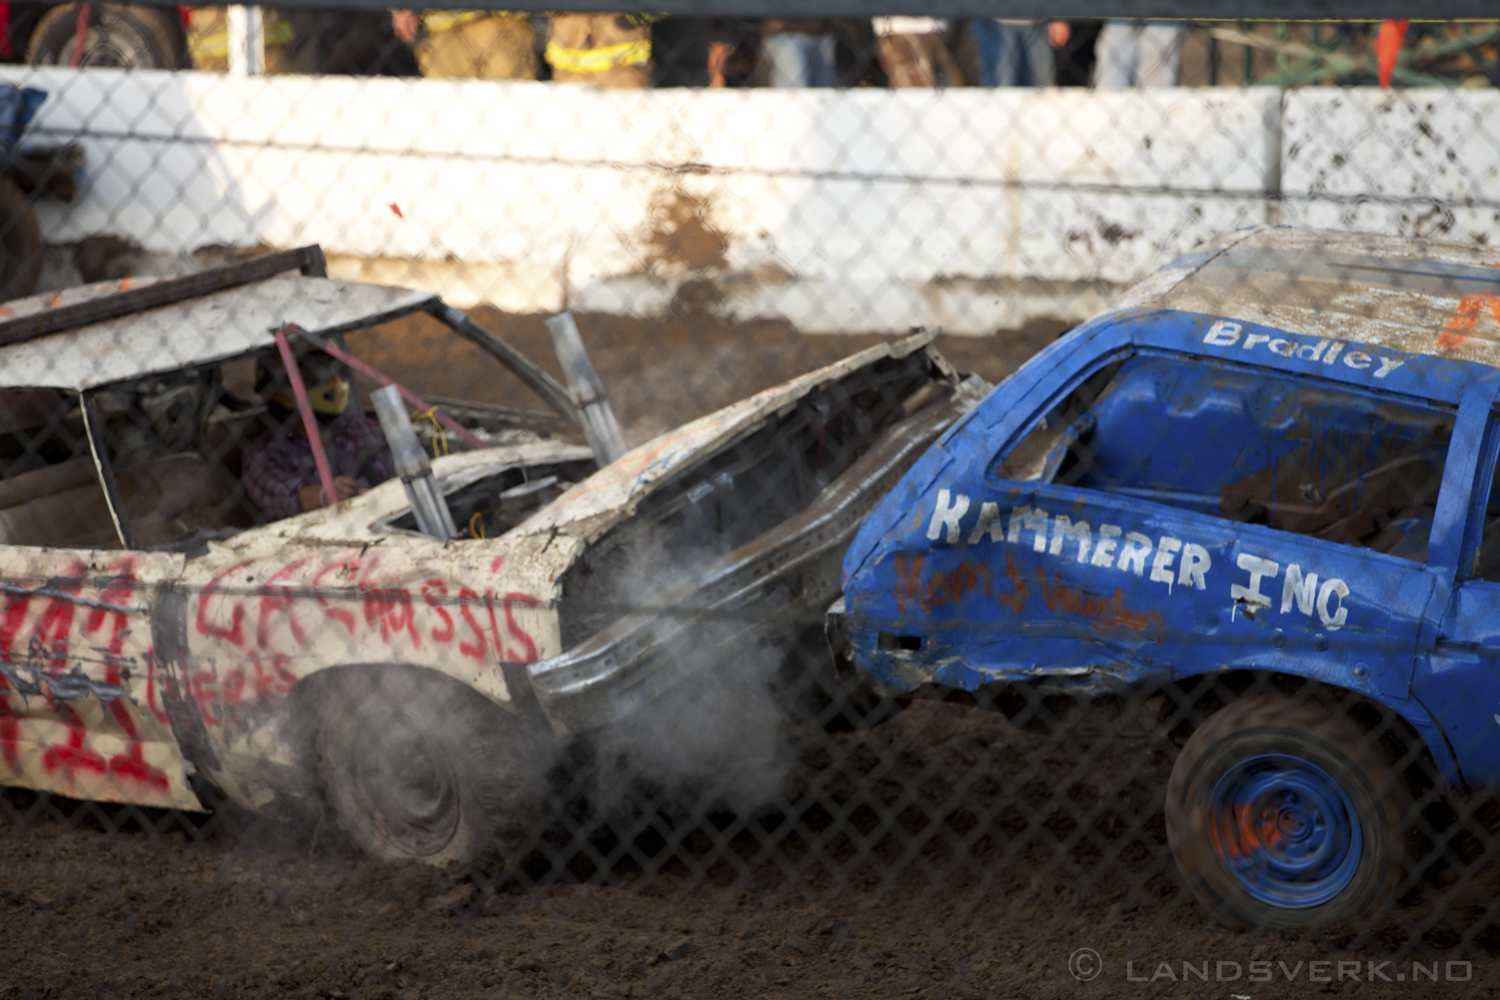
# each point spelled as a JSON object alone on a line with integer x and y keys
{"x": 1283, "y": 813}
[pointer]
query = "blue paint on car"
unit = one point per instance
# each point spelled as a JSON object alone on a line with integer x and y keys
{"x": 1299, "y": 487}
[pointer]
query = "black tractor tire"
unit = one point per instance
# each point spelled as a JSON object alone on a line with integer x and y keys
{"x": 420, "y": 768}
{"x": 124, "y": 36}
{"x": 20, "y": 243}
{"x": 1284, "y": 813}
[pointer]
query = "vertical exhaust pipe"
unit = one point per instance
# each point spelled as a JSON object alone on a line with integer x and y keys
{"x": 433, "y": 516}
{"x": 584, "y": 386}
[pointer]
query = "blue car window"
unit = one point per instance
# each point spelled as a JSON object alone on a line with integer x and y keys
{"x": 1039, "y": 455}
{"x": 1293, "y": 454}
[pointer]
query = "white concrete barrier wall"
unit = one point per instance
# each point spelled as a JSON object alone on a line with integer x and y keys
{"x": 858, "y": 210}
{"x": 1417, "y": 162}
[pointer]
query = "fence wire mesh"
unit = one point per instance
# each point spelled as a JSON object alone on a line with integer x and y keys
{"x": 503, "y": 504}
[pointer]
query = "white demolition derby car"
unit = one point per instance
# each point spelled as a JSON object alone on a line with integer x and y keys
{"x": 393, "y": 652}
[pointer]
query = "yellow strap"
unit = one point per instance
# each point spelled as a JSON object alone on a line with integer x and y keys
{"x": 599, "y": 60}
{"x": 439, "y": 437}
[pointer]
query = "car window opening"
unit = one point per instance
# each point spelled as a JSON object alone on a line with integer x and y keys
{"x": 177, "y": 445}
{"x": 493, "y": 505}
{"x": 1254, "y": 447}
{"x": 1487, "y": 558}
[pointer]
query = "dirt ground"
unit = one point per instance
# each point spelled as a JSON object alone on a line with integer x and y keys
{"x": 945, "y": 852}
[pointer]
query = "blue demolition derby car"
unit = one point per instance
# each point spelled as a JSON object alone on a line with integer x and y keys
{"x": 1274, "y": 462}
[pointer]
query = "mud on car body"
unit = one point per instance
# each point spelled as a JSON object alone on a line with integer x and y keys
{"x": 1274, "y": 465}
{"x": 155, "y": 634}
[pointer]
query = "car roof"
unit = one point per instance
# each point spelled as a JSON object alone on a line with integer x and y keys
{"x": 1410, "y": 295}
{"x": 197, "y": 330}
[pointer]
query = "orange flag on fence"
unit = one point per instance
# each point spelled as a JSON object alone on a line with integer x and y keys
{"x": 1387, "y": 45}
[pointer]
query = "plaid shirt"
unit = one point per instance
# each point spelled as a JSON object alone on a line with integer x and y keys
{"x": 276, "y": 465}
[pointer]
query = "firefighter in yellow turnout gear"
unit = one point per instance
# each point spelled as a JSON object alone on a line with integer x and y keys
{"x": 606, "y": 50}
{"x": 488, "y": 45}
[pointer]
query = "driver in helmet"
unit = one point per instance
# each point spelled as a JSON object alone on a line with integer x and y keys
{"x": 278, "y": 469}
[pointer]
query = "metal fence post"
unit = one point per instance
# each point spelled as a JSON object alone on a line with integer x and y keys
{"x": 247, "y": 41}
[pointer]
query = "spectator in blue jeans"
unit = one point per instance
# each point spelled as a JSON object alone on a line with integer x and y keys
{"x": 1016, "y": 53}
{"x": 798, "y": 52}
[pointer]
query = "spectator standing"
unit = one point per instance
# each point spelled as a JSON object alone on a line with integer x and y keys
{"x": 1139, "y": 54}
{"x": 914, "y": 51}
{"x": 355, "y": 42}
{"x": 1018, "y": 53}
{"x": 799, "y": 52}
{"x": 734, "y": 52}
{"x": 1074, "y": 59}
{"x": 605, "y": 50}
{"x": 496, "y": 45}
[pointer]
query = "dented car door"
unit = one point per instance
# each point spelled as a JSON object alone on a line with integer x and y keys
{"x": 87, "y": 700}
{"x": 1287, "y": 525}
{"x": 1099, "y": 592}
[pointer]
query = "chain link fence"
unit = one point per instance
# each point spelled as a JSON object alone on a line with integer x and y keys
{"x": 503, "y": 504}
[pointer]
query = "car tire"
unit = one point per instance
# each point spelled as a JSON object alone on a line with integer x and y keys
{"x": 124, "y": 36}
{"x": 1282, "y": 813}
{"x": 423, "y": 769}
{"x": 20, "y": 243}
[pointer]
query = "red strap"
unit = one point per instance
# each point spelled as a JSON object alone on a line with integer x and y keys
{"x": 80, "y": 34}
{"x": 309, "y": 422}
{"x": 335, "y": 351}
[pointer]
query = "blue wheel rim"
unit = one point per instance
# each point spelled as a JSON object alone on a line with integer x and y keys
{"x": 1286, "y": 830}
